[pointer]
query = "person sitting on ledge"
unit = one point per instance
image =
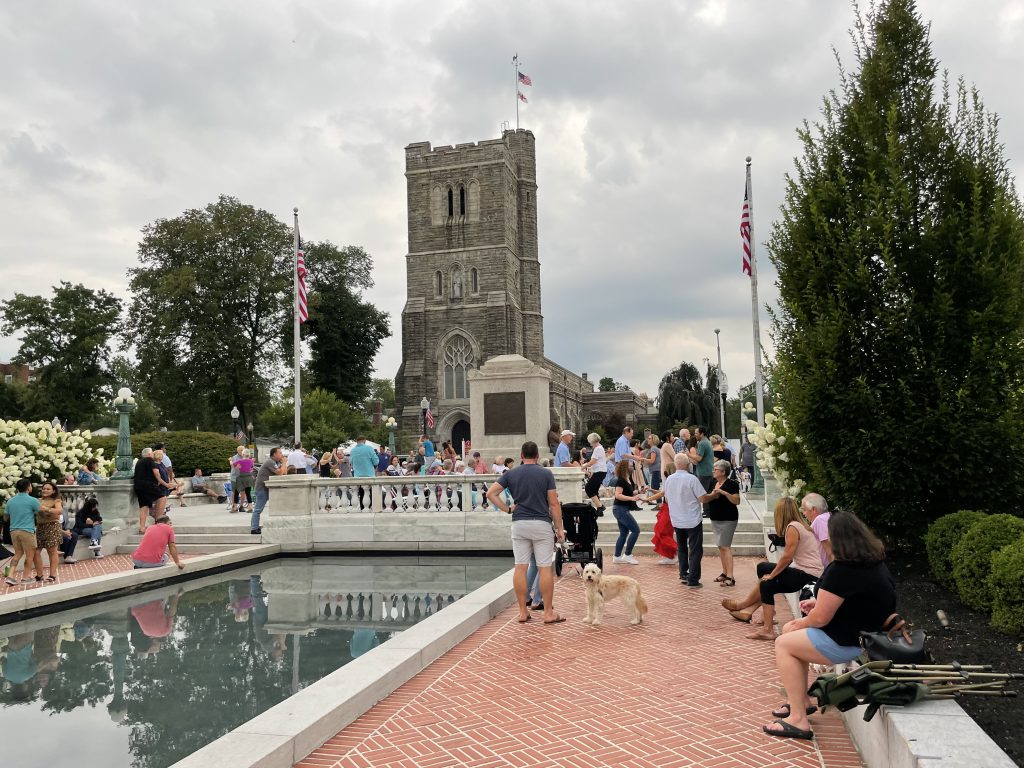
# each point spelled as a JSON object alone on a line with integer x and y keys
{"x": 156, "y": 542}
{"x": 799, "y": 564}
{"x": 200, "y": 484}
{"x": 856, "y": 594}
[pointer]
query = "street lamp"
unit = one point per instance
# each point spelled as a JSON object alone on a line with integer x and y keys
{"x": 391, "y": 424}
{"x": 124, "y": 404}
{"x": 234, "y": 417}
{"x": 424, "y": 407}
{"x": 252, "y": 439}
{"x": 723, "y": 384}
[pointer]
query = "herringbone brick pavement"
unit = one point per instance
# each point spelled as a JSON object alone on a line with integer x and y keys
{"x": 685, "y": 688}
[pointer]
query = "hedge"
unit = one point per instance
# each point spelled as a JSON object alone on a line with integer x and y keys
{"x": 1006, "y": 583}
{"x": 941, "y": 537}
{"x": 972, "y": 556}
{"x": 188, "y": 450}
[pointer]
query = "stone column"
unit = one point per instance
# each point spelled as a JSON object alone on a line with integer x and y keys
{"x": 569, "y": 484}
{"x": 288, "y": 517}
{"x": 509, "y": 402}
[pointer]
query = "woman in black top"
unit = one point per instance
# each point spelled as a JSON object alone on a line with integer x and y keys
{"x": 147, "y": 484}
{"x": 623, "y": 506}
{"x": 723, "y": 511}
{"x": 855, "y": 593}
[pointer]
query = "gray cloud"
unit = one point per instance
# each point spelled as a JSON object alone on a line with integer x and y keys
{"x": 122, "y": 114}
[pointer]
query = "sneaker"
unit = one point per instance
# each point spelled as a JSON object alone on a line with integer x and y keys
{"x": 698, "y": 585}
{"x": 94, "y": 544}
{"x": 630, "y": 560}
{"x": 668, "y": 561}
{"x": 12, "y": 582}
{"x": 31, "y": 580}
{"x": 69, "y": 561}
{"x": 221, "y": 499}
{"x": 98, "y": 555}
{"x": 619, "y": 559}
{"x": 255, "y": 531}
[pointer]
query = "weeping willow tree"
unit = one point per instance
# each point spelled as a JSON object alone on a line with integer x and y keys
{"x": 900, "y": 254}
{"x": 684, "y": 398}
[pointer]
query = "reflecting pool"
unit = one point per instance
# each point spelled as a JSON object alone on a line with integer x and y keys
{"x": 148, "y": 679}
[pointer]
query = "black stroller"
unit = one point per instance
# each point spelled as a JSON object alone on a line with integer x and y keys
{"x": 580, "y": 546}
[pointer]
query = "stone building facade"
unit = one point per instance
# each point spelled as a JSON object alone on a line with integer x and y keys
{"x": 473, "y": 280}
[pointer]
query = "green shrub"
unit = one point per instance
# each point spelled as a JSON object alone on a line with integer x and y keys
{"x": 188, "y": 450}
{"x": 972, "y": 556}
{"x": 1006, "y": 583}
{"x": 941, "y": 537}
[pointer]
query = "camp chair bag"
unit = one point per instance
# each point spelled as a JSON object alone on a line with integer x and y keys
{"x": 897, "y": 642}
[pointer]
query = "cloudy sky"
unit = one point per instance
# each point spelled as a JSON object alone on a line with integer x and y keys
{"x": 114, "y": 114}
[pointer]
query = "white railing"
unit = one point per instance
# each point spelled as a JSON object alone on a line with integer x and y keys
{"x": 381, "y": 608}
{"x": 413, "y": 493}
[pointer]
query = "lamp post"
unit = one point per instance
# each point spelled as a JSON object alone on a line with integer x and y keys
{"x": 424, "y": 407}
{"x": 250, "y": 430}
{"x": 124, "y": 404}
{"x": 391, "y": 424}
{"x": 234, "y": 417}
{"x": 723, "y": 384}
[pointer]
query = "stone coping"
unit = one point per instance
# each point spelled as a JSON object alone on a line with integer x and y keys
{"x": 19, "y": 605}
{"x": 287, "y": 732}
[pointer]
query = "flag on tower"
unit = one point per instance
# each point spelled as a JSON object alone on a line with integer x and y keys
{"x": 525, "y": 79}
{"x": 300, "y": 277}
{"x": 745, "y": 229}
{"x": 430, "y": 418}
{"x": 522, "y": 98}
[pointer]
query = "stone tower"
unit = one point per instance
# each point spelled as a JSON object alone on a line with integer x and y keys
{"x": 472, "y": 272}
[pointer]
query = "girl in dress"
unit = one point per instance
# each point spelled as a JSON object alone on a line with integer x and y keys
{"x": 48, "y": 530}
{"x": 664, "y": 539}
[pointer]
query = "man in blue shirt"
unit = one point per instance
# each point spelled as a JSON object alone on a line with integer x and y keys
{"x": 622, "y": 445}
{"x": 428, "y": 447}
{"x": 364, "y": 464}
{"x": 21, "y": 509}
{"x": 562, "y": 457}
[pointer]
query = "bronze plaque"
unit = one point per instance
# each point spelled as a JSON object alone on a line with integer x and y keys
{"x": 505, "y": 413}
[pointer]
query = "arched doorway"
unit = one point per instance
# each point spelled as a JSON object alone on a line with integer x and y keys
{"x": 460, "y": 432}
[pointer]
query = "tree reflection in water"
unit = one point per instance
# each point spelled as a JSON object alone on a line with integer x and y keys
{"x": 179, "y": 669}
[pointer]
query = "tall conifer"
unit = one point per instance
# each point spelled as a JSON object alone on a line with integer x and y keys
{"x": 900, "y": 253}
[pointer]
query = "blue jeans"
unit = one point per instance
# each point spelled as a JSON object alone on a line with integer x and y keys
{"x": 629, "y": 529}
{"x": 262, "y": 496}
{"x": 144, "y": 564}
{"x": 93, "y": 533}
{"x": 533, "y": 582}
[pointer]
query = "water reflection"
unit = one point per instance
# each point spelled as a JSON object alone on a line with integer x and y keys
{"x": 148, "y": 679}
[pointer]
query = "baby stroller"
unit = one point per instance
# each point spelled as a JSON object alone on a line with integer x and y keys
{"x": 580, "y": 523}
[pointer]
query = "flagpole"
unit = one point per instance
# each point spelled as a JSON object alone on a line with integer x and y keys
{"x": 295, "y": 328}
{"x": 515, "y": 60}
{"x": 754, "y": 307}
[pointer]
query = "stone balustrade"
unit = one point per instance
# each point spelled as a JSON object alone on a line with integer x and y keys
{"x": 409, "y": 513}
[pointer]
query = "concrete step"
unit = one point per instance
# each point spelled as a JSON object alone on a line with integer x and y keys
{"x": 127, "y": 549}
{"x": 240, "y": 537}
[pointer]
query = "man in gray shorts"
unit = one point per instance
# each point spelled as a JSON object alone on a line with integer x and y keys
{"x": 534, "y": 508}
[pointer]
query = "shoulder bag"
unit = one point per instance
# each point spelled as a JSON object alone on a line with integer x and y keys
{"x": 898, "y": 641}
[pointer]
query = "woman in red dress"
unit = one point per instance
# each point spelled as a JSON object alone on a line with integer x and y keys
{"x": 664, "y": 539}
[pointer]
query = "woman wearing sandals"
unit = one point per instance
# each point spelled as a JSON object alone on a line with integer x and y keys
{"x": 723, "y": 511}
{"x": 799, "y": 564}
{"x": 856, "y": 593}
{"x": 48, "y": 530}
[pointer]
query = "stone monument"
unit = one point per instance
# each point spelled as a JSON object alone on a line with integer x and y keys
{"x": 508, "y": 403}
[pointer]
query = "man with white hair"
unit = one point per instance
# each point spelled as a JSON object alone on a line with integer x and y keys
{"x": 684, "y": 494}
{"x": 815, "y": 509}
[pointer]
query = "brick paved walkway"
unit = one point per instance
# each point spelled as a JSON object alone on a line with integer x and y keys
{"x": 82, "y": 569}
{"x": 686, "y": 688}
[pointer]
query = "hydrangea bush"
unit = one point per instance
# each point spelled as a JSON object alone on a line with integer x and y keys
{"x": 39, "y": 452}
{"x": 779, "y": 451}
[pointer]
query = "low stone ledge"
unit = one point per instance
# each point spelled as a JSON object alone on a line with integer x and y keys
{"x": 287, "y": 732}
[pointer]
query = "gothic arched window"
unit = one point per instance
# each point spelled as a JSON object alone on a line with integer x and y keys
{"x": 458, "y": 359}
{"x": 439, "y": 283}
{"x": 474, "y": 280}
{"x": 451, "y": 203}
{"x": 462, "y": 201}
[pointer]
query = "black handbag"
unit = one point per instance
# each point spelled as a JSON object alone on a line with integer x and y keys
{"x": 776, "y": 541}
{"x": 898, "y": 641}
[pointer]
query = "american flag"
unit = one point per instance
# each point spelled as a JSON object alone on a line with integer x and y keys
{"x": 239, "y": 436}
{"x": 522, "y": 98}
{"x": 745, "y": 229}
{"x": 525, "y": 79}
{"x": 430, "y": 418}
{"x": 300, "y": 278}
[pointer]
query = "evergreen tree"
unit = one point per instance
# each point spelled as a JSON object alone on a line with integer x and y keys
{"x": 900, "y": 255}
{"x": 683, "y": 398}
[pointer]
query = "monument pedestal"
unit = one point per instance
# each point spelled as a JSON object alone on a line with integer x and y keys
{"x": 509, "y": 404}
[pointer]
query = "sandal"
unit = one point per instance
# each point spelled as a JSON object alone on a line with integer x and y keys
{"x": 557, "y": 620}
{"x": 721, "y": 577}
{"x": 50, "y": 580}
{"x": 783, "y": 711}
{"x": 728, "y": 581}
{"x": 743, "y": 616}
{"x": 787, "y": 731}
{"x": 523, "y": 621}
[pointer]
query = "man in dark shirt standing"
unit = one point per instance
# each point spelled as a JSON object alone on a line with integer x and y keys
{"x": 534, "y": 509}
{"x": 276, "y": 464}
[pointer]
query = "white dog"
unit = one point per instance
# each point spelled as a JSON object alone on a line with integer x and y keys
{"x": 601, "y": 588}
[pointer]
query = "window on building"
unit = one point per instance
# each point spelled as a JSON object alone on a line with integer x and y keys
{"x": 458, "y": 360}
{"x": 474, "y": 280}
{"x": 8, "y": 378}
{"x": 451, "y": 203}
{"x": 462, "y": 201}
{"x": 439, "y": 283}
{"x": 31, "y": 379}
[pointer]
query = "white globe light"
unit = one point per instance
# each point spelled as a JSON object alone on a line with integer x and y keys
{"x": 124, "y": 393}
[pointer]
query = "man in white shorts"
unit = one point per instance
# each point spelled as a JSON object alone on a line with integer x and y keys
{"x": 534, "y": 510}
